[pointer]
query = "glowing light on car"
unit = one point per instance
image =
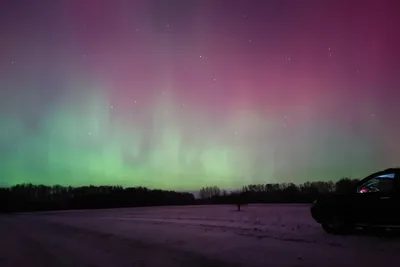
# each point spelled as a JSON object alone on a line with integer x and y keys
{"x": 389, "y": 175}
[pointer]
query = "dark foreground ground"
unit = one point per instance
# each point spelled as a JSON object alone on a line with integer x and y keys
{"x": 260, "y": 235}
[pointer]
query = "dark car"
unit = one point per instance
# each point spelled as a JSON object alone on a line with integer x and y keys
{"x": 373, "y": 202}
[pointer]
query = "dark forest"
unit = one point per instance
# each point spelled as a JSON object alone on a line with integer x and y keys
{"x": 29, "y": 197}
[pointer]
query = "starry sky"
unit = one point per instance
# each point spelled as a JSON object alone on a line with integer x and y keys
{"x": 178, "y": 94}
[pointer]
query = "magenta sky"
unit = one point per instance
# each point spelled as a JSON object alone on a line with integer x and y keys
{"x": 178, "y": 94}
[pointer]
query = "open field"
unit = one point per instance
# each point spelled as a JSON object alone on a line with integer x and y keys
{"x": 259, "y": 235}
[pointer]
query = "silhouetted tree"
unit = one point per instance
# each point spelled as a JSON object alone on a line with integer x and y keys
{"x": 210, "y": 192}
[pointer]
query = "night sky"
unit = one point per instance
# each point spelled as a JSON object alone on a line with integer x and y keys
{"x": 183, "y": 94}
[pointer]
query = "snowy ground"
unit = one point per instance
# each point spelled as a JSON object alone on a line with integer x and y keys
{"x": 259, "y": 235}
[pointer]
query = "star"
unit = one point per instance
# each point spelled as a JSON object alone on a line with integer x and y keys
{"x": 111, "y": 107}
{"x": 135, "y": 101}
{"x": 214, "y": 79}
{"x": 90, "y": 133}
{"x": 12, "y": 62}
{"x": 250, "y": 41}
{"x": 200, "y": 57}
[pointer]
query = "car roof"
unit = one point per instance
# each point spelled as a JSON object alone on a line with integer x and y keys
{"x": 397, "y": 169}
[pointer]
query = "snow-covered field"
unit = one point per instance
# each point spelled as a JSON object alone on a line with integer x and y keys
{"x": 259, "y": 235}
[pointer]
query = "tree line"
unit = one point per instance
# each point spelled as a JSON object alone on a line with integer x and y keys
{"x": 276, "y": 193}
{"x": 29, "y": 197}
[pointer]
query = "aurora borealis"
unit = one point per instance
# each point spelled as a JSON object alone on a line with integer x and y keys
{"x": 184, "y": 94}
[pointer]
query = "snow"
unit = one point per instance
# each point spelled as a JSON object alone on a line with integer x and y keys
{"x": 259, "y": 235}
